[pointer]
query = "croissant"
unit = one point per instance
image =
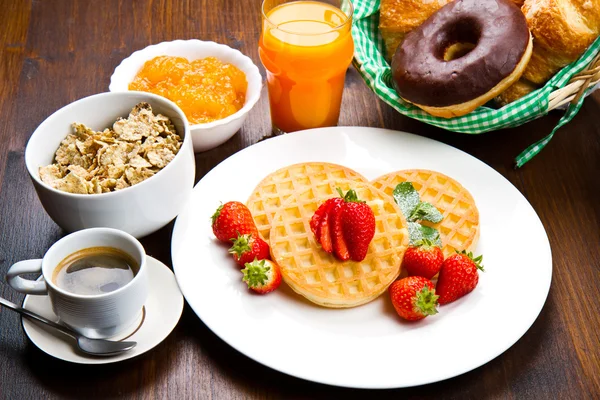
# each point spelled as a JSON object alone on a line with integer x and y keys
{"x": 562, "y": 30}
{"x": 398, "y": 17}
{"x": 514, "y": 92}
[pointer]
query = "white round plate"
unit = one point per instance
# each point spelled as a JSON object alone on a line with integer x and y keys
{"x": 367, "y": 346}
{"x": 162, "y": 312}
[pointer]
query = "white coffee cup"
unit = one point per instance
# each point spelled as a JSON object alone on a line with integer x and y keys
{"x": 95, "y": 316}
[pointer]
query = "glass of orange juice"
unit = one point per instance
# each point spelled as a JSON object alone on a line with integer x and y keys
{"x": 306, "y": 47}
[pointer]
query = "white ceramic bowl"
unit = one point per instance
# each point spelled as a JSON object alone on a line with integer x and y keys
{"x": 138, "y": 210}
{"x": 209, "y": 135}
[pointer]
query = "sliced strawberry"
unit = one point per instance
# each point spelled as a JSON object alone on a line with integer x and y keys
{"x": 315, "y": 221}
{"x": 324, "y": 237}
{"x": 340, "y": 249}
{"x": 345, "y": 226}
{"x": 319, "y": 224}
{"x": 325, "y": 229}
{"x": 358, "y": 225}
{"x": 262, "y": 276}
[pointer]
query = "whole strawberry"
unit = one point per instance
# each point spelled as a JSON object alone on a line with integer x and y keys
{"x": 262, "y": 276}
{"x": 423, "y": 259}
{"x": 414, "y": 298}
{"x": 458, "y": 276}
{"x": 247, "y": 248}
{"x": 231, "y": 219}
{"x": 358, "y": 225}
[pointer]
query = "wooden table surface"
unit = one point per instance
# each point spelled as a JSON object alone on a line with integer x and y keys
{"x": 55, "y": 52}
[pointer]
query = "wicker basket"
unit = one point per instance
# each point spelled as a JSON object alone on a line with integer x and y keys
{"x": 577, "y": 85}
{"x": 567, "y": 88}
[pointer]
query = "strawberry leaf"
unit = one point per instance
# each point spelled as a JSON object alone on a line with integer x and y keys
{"x": 350, "y": 196}
{"x": 255, "y": 273}
{"x": 241, "y": 245}
{"x": 407, "y": 198}
{"x": 476, "y": 260}
{"x": 418, "y": 232}
{"x": 216, "y": 214}
{"x": 425, "y": 244}
{"x": 427, "y": 212}
{"x": 426, "y": 301}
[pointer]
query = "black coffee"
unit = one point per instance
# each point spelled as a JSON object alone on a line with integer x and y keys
{"x": 95, "y": 270}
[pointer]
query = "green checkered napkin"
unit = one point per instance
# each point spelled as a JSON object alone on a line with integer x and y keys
{"x": 370, "y": 61}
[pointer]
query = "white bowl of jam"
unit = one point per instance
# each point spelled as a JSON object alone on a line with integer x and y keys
{"x": 206, "y": 90}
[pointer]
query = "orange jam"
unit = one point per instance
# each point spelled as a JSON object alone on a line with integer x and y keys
{"x": 206, "y": 89}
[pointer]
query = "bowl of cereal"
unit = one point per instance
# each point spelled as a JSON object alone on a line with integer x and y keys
{"x": 118, "y": 160}
{"x": 215, "y": 86}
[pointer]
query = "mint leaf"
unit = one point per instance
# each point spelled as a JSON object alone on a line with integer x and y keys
{"x": 432, "y": 235}
{"x": 418, "y": 232}
{"x": 407, "y": 198}
{"x": 414, "y": 233}
{"x": 427, "y": 212}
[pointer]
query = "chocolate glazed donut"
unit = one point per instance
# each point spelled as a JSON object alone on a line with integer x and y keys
{"x": 462, "y": 56}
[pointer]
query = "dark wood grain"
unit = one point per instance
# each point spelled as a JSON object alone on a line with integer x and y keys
{"x": 54, "y": 52}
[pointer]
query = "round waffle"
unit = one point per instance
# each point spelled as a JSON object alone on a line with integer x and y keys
{"x": 275, "y": 188}
{"x": 318, "y": 275}
{"x": 459, "y": 229}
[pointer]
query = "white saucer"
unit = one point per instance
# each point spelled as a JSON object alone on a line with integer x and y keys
{"x": 161, "y": 314}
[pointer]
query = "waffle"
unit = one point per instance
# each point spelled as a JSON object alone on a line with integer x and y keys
{"x": 459, "y": 230}
{"x": 273, "y": 190}
{"x": 319, "y": 276}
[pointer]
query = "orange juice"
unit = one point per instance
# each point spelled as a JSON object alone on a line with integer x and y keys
{"x": 306, "y": 48}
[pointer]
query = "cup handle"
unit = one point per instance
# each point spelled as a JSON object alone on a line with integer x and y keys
{"x": 27, "y": 286}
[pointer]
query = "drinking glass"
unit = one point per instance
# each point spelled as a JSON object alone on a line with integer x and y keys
{"x": 306, "y": 48}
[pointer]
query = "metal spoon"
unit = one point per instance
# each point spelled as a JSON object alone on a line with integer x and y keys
{"x": 96, "y": 347}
